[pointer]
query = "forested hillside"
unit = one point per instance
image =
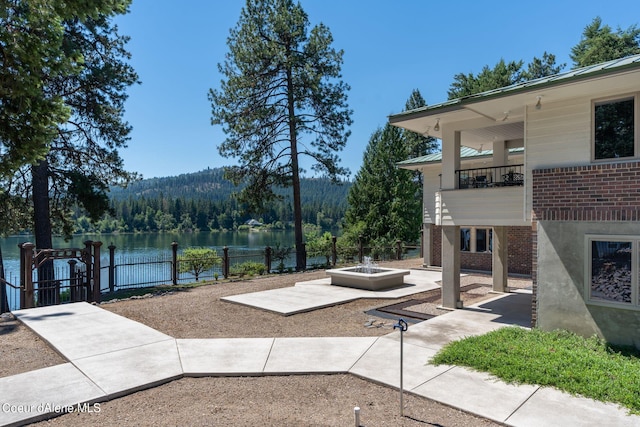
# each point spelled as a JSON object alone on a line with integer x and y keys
{"x": 203, "y": 201}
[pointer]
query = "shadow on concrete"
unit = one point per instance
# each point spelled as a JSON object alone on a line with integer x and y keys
{"x": 513, "y": 309}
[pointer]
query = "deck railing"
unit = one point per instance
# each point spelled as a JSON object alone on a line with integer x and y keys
{"x": 497, "y": 176}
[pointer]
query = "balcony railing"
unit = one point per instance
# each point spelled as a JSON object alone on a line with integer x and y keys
{"x": 500, "y": 176}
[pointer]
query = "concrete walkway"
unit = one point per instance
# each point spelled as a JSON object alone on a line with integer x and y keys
{"x": 111, "y": 356}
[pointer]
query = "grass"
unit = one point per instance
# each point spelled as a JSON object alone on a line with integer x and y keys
{"x": 586, "y": 366}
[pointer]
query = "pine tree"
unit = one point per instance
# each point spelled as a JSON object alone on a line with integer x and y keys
{"x": 282, "y": 98}
{"x": 600, "y": 44}
{"x": 384, "y": 202}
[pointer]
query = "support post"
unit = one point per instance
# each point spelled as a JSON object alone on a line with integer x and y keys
{"x": 97, "y": 295}
{"x": 174, "y": 263}
{"x": 26, "y": 270}
{"x": 398, "y": 250}
{"x": 500, "y": 260}
{"x": 360, "y": 250}
{"x": 303, "y": 248}
{"x": 427, "y": 244}
{"x": 267, "y": 258}
{"x": 225, "y": 262}
{"x": 73, "y": 288}
{"x": 451, "y": 267}
{"x": 334, "y": 251}
{"x": 112, "y": 267}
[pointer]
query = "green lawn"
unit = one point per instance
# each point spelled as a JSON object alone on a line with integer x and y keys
{"x": 560, "y": 359}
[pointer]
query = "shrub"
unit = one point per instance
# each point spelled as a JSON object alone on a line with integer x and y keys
{"x": 250, "y": 268}
{"x": 198, "y": 260}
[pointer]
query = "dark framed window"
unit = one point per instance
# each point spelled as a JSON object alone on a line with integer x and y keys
{"x": 612, "y": 271}
{"x": 614, "y": 129}
{"x": 476, "y": 239}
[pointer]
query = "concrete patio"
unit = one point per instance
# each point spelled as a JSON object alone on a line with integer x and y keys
{"x": 111, "y": 356}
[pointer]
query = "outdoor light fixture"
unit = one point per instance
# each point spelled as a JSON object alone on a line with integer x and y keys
{"x": 437, "y": 126}
{"x": 505, "y": 117}
{"x": 539, "y": 103}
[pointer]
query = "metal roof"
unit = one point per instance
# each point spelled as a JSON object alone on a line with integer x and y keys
{"x": 584, "y": 73}
{"x": 466, "y": 153}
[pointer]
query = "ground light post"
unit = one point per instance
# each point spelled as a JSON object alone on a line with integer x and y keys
{"x": 402, "y": 325}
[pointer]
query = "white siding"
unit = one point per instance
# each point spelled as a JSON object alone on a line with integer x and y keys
{"x": 482, "y": 206}
{"x": 557, "y": 135}
{"x": 431, "y": 184}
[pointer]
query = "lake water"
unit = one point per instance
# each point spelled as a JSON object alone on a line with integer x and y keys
{"x": 152, "y": 245}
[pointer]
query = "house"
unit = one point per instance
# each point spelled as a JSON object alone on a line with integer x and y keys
{"x": 564, "y": 164}
{"x": 475, "y": 242}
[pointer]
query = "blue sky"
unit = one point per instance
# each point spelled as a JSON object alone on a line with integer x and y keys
{"x": 390, "y": 49}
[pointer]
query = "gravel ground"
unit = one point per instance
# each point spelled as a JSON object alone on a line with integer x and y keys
{"x": 316, "y": 400}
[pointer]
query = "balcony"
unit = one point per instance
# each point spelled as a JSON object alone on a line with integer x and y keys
{"x": 500, "y": 176}
{"x": 498, "y": 198}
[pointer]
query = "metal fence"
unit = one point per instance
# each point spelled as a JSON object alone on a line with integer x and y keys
{"x": 174, "y": 268}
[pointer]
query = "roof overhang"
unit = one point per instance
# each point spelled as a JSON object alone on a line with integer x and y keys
{"x": 500, "y": 113}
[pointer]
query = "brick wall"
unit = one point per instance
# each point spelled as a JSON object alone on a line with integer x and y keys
{"x": 519, "y": 247}
{"x": 601, "y": 192}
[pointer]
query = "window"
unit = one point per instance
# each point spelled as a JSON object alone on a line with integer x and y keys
{"x": 614, "y": 132}
{"x": 612, "y": 273}
{"x": 476, "y": 239}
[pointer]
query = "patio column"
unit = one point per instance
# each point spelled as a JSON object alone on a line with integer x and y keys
{"x": 500, "y": 153}
{"x": 451, "y": 267}
{"x": 427, "y": 244}
{"x": 500, "y": 158}
{"x": 500, "y": 260}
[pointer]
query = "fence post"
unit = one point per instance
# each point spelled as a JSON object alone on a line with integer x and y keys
{"x": 398, "y": 250}
{"x": 112, "y": 267}
{"x": 267, "y": 258}
{"x": 73, "y": 290}
{"x": 22, "y": 277}
{"x": 360, "y": 249}
{"x": 334, "y": 251}
{"x": 88, "y": 256}
{"x": 225, "y": 262}
{"x": 174, "y": 263}
{"x": 97, "y": 296}
{"x": 303, "y": 246}
{"x": 26, "y": 256}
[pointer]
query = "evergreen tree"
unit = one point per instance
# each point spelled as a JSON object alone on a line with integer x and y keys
{"x": 419, "y": 145}
{"x": 600, "y": 44}
{"x": 83, "y": 135}
{"x": 282, "y": 98}
{"x": 384, "y": 202}
{"x": 503, "y": 74}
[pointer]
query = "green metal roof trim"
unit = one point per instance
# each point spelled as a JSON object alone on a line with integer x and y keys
{"x": 589, "y": 72}
{"x": 465, "y": 153}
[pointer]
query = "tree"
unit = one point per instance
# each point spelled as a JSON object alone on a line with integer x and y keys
{"x": 600, "y": 44}
{"x": 419, "y": 145}
{"x": 198, "y": 260}
{"x": 81, "y": 158}
{"x": 384, "y": 202}
{"x": 30, "y": 40}
{"x": 503, "y": 74}
{"x": 281, "y": 100}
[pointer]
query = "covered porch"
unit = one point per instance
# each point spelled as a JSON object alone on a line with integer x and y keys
{"x": 482, "y": 181}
